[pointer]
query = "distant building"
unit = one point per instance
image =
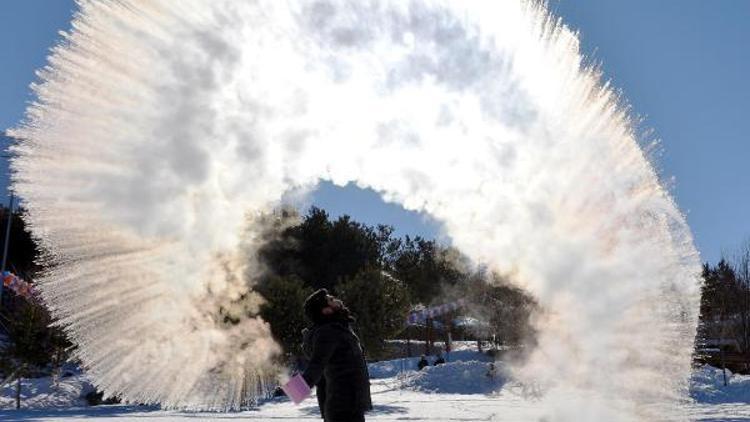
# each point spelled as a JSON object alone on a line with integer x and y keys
{"x": 719, "y": 344}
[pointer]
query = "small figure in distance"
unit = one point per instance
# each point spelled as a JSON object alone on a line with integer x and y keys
{"x": 422, "y": 362}
{"x": 491, "y": 371}
{"x": 439, "y": 359}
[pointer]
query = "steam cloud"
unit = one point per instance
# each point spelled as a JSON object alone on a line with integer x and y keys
{"x": 163, "y": 129}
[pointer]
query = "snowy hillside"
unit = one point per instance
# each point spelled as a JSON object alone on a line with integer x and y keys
{"x": 707, "y": 386}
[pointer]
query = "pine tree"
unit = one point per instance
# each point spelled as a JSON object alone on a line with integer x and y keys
{"x": 283, "y": 310}
{"x": 380, "y": 304}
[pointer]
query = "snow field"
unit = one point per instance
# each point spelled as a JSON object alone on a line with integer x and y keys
{"x": 459, "y": 390}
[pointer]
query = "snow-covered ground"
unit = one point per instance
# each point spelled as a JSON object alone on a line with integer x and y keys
{"x": 457, "y": 391}
{"x": 45, "y": 393}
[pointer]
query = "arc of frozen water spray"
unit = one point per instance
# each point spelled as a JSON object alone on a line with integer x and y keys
{"x": 161, "y": 126}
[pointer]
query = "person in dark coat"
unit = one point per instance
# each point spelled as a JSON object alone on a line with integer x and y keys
{"x": 439, "y": 360}
{"x": 491, "y": 371}
{"x": 422, "y": 363}
{"x": 336, "y": 366}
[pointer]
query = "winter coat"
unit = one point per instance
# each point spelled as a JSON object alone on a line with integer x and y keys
{"x": 338, "y": 370}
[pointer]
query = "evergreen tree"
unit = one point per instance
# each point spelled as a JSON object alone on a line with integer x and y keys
{"x": 283, "y": 309}
{"x": 322, "y": 252}
{"x": 380, "y": 304}
{"x": 506, "y": 309}
{"x": 32, "y": 341}
{"x": 725, "y": 305}
{"x": 424, "y": 266}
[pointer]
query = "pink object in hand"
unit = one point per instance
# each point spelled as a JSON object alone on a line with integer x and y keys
{"x": 297, "y": 389}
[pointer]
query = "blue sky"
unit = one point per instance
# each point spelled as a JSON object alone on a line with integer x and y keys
{"x": 682, "y": 64}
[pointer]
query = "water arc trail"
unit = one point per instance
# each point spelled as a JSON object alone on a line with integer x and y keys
{"x": 155, "y": 121}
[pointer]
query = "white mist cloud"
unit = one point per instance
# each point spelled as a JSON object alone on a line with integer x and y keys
{"x": 161, "y": 126}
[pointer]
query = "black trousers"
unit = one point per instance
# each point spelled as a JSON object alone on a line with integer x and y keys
{"x": 340, "y": 417}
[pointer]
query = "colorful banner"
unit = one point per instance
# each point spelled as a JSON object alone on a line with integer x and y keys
{"x": 18, "y": 286}
{"x": 416, "y": 317}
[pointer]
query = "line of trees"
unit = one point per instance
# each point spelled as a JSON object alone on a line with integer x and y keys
{"x": 380, "y": 277}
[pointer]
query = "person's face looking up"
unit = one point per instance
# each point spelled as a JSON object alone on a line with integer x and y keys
{"x": 333, "y": 305}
